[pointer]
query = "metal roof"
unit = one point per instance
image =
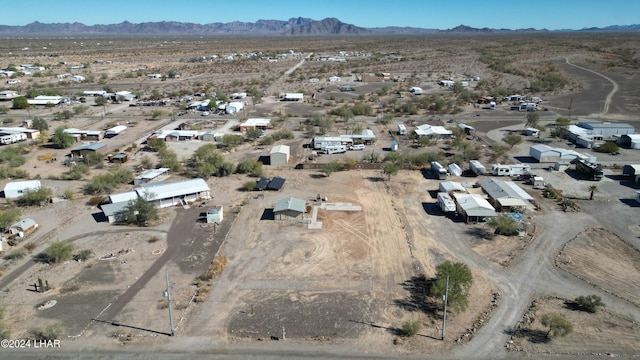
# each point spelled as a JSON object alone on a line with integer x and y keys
{"x": 290, "y": 204}
{"x": 449, "y": 186}
{"x": 280, "y": 149}
{"x": 152, "y": 174}
{"x": 498, "y": 189}
{"x": 123, "y": 197}
{"x": 474, "y": 205}
{"x": 157, "y": 191}
{"x": 115, "y": 208}
{"x": 24, "y": 224}
{"x": 90, "y": 146}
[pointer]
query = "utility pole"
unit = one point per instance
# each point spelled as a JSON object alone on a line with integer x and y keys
{"x": 445, "y": 299}
{"x": 167, "y": 294}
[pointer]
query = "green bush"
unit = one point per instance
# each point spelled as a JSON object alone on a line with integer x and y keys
{"x": 589, "y": 303}
{"x": 16, "y": 254}
{"x": 410, "y": 328}
{"x": 249, "y": 186}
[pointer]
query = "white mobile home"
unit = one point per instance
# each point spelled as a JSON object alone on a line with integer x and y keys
{"x": 402, "y": 130}
{"x": 16, "y": 189}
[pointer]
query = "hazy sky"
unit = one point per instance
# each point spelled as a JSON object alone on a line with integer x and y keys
{"x": 440, "y": 14}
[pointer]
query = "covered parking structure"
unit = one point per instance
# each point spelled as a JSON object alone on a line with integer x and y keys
{"x": 473, "y": 208}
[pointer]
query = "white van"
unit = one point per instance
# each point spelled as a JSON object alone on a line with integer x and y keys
{"x": 356, "y": 147}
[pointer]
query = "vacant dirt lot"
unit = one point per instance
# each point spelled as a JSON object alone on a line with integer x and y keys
{"x": 602, "y": 333}
{"x": 605, "y": 260}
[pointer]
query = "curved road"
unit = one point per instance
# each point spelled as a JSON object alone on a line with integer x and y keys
{"x": 607, "y": 101}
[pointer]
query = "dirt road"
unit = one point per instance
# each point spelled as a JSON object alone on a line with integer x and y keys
{"x": 607, "y": 102}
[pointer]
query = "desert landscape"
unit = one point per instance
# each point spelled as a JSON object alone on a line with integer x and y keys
{"x": 347, "y": 275}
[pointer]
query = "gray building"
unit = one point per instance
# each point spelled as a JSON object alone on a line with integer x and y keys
{"x": 279, "y": 155}
{"x": 607, "y": 129}
{"x": 290, "y": 209}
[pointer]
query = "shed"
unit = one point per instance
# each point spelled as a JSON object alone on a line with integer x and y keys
{"x": 211, "y": 135}
{"x": 115, "y": 212}
{"x": 215, "y": 214}
{"x": 119, "y": 158}
{"x": 289, "y": 209}
{"x": 88, "y": 148}
{"x": 279, "y": 155}
{"x": 16, "y": 189}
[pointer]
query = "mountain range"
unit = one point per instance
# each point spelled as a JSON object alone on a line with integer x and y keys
{"x": 292, "y": 27}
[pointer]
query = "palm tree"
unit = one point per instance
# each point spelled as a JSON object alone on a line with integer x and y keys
{"x": 593, "y": 189}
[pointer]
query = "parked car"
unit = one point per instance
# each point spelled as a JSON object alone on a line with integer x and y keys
{"x": 356, "y": 147}
{"x": 205, "y": 113}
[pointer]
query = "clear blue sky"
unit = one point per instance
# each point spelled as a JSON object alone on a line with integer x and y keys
{"x": 440, "y": 14}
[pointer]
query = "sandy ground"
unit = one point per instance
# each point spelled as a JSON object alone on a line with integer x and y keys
{"x": 603, "y": 333}
{"x": 605, "y": 260}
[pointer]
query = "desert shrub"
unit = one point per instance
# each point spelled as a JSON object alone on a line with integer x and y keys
{"x": 30, "y": 247}
{"x": 68, "y": 194}
{"x": 83, "y": 255}
{"x": 59, "y": 251}
{"x": 589, "y": 303}
{"x": 70, "y": 288}
{"x": 35, "y": 197}
{"x": 153, "y": 239}
{"x": 16, "y": 254}
{"x": 249, "y": 186}
{"x": 410, "y": 328}
{"x": 97, "y": 200}
{"x": 50, "y": 332}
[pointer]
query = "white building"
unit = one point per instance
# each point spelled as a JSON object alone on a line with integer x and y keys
{"x": 16, "y": 189}
{"x": 279, "y": 155}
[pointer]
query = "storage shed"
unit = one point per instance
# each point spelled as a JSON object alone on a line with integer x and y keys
{"x": 215, "y": 214}
{"x": 289, "y": 209}
{"x": 16, "y": 189}
{"x": 88, "y": 148}
{"x": 279, "y": 155}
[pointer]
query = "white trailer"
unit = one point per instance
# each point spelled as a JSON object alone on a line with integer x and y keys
{"x": 402, "y": 130}
{"x": 446, "y": 202}
{"x": 520, "y": 169}
{"x": 439, "y": 171}
{"x": 335, "y": 149}
{"x": 477, "y": 167}
{"x": 416, "y": 90}
{"x": 455, "y": 170}
{"x": 510, "y": 170}
{"x": 501, "y": 170}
